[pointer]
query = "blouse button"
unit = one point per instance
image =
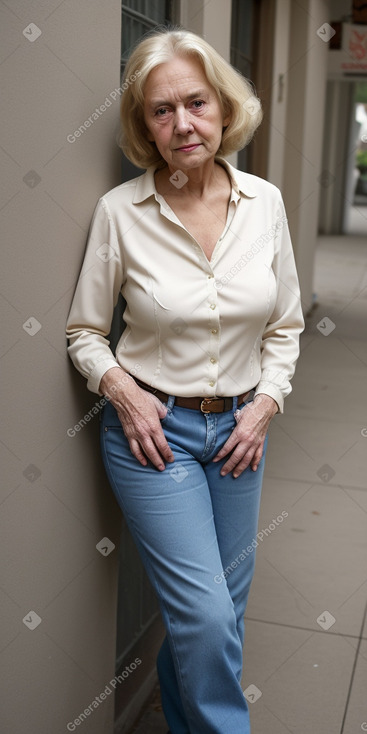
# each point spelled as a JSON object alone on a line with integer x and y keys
{"x": 214, "y": 331}
{"x": 213, "y": 360}
{"x": 211, "y": 383}
{"x": 212, "y": 306}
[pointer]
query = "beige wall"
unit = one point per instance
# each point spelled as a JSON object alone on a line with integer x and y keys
{"x": 56, "y": 505}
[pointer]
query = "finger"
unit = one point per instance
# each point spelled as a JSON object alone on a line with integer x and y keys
{"x": 157, "y": 432}
{"x": 137, "y": 452}
{"x": 152, "y": 454}
{"x": 241, "y": 465}
{"x": 161, "y": 408}
{"x": 256, "y": 458}
{"x": 144, "y": 445}
{"x": 145, "y": 451}
{"x": 156, "y": 447}
{"x": 239, "y": 469}
{"x": 162, "y": 445}
{"x": 239, "y": 455}
{"x": 228, "y": 446}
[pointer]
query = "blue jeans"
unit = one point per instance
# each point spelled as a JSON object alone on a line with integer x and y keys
{"x": 194, "y": 530}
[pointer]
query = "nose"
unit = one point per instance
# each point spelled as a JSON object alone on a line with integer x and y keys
{"x": 182, "y": 122}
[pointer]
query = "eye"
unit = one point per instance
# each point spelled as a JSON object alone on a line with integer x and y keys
{"x": 198, "y": 104}
{"x": 161, "y": 112}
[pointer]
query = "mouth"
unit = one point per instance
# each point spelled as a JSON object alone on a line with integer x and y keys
{"x": 188, "y": 148}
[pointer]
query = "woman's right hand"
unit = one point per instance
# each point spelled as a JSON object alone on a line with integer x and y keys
{"x": 139, "y": 412}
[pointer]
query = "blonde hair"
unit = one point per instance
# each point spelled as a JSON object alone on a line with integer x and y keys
{"x": 235, "y": 94}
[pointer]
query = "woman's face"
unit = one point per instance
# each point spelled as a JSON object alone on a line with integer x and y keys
{"x": 183, "y": 114}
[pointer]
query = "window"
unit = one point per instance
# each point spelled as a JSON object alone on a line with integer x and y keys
{"x": 242, "y": 51}
{"x": 139, "y": 17}
{"x": 241, "y": 36}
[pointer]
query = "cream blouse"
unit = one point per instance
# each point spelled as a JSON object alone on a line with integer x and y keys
{"x": 193, "y": 327}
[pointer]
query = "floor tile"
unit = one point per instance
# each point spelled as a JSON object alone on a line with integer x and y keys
{"x": 330, "y": 380}
{"x": 356, "y": 717}
{"x": 307, "y": 692}
{"x": 303, "y": 567}
{"x": 318, "y": 451}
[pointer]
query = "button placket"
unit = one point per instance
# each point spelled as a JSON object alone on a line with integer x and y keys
{"x": 213, "y": 341}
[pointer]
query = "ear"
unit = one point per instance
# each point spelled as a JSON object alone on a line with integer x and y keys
{"x": 227, "y": 120}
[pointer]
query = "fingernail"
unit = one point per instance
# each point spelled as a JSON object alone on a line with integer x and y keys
{"x": 223, "y": 473}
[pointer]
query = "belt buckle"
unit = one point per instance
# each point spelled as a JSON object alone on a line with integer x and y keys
{"x": 205, "y": 402}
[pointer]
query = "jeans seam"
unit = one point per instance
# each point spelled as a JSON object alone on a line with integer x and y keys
{"x": 211, "y": 428}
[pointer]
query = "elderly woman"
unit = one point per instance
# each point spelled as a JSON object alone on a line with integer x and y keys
{"x": 202, "y": 256}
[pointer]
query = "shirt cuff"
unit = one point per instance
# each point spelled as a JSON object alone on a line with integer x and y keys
{"x": 97, "y": 373}
{"x": 273, "y": 392}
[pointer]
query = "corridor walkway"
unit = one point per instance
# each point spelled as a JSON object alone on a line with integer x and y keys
{"x": 306, "y": 630}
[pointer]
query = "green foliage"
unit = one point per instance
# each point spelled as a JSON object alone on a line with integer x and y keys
{"x": 361, "y": 161}
{"x": 361, "y": 92}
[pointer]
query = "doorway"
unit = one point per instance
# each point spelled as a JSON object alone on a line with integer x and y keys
{"x": 343, "y": 179}
{"x": 356, "y": 211}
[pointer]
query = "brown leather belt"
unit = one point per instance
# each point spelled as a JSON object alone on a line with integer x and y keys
{"x": 206, "y": 405}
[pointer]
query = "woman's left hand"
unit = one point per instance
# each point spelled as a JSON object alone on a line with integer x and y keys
{"x": 246, "y": 441}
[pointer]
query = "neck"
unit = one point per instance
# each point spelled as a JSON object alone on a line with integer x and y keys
{"x": 200, "y": 180}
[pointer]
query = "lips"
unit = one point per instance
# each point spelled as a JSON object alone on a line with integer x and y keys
{"x": 192, "y": 146}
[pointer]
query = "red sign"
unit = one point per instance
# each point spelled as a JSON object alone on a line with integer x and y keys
{"x": 355, "y": 48}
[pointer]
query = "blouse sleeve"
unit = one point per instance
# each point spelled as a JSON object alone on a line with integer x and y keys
{"x": 280, "y": 339}
{"x": 96, "y": 294}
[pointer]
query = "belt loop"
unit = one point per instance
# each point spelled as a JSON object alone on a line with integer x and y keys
{"x": 235, "y": 403}
{"x": 170, "y": 402}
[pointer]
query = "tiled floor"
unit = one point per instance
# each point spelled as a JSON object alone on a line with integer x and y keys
{"x": 306, "y": 630}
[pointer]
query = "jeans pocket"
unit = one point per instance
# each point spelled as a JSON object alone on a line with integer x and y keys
{"x": 246, "y": 402}
{"x": 169, "y": 405}
{"x": 109, "y": 417}
{"x": 237, "y": 413}
{"x": 168, "y": 414}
